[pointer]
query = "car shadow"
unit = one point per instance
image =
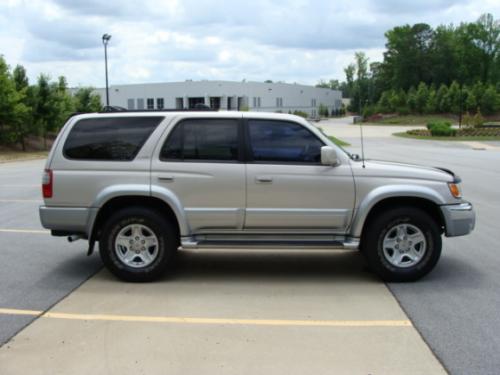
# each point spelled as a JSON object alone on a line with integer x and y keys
{"x": 264, "y": 265}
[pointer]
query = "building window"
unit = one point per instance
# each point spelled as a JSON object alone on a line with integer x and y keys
{"x": 140, "y": 103}
{"x": 215, "y": 102}
{"x": 254, "y": 101}
{"x": 150, "y": 103}
{"x": 179, "y": 103}
{"x": 130, "y": 103}
{"x": 258, "y": 101}
{"x": 279, "y": 102}
{"x": 313, "y": 102}
{"x": 159, "y": 103}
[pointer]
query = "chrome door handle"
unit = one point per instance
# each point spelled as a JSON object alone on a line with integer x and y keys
{"x": 264, "y": 179}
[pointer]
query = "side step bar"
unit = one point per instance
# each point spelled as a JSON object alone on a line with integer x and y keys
{"x": 191, "y": 243}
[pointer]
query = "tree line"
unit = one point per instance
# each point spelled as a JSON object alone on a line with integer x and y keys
{"x": 37, "y": 109}
{"x": 444, "y": 69}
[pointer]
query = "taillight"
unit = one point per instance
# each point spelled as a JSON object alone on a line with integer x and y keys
{"x": 47, "y": 181}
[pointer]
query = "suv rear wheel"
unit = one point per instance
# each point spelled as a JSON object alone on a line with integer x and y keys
{"x": 402, "y": 244}
{"x": 138, "y": 244}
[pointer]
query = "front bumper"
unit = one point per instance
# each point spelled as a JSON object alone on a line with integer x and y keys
{"x": 459, "y": 219}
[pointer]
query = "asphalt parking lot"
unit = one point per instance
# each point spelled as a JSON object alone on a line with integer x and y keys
{"x": 253, "y": 312}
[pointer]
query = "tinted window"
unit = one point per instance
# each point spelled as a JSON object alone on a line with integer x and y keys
{"x": 202, "y": 139}
{"x": 282, "y": 141}
{"x": 109, "y": 138}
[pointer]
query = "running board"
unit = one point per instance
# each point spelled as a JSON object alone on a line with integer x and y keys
{"x": 191, "y": 243}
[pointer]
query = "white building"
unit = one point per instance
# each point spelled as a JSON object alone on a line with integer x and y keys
{"x": 224, "y": 95}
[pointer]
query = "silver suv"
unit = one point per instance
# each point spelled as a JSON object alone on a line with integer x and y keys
{"x": 144, "y": 184}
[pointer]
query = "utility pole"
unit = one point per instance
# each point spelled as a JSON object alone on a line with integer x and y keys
{"x": 105, "y": 40}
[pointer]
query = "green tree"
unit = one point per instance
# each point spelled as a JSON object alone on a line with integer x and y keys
{"x": 421, "y": 97}
{"x": 489, "y": 101}
{"x": 471, "y": 102}
{"x": 411, "y": 99}
{"x": 442, "y": 99}
{"x": 486, "y": 32}
{"x": 431, "y": 106}
{"x": 12, "y": 108}
{"x": 384, "y": 104}
{"x": 454, "y": 97}
{"x": 86, "y": 100}
{"x": 23, "y": 125}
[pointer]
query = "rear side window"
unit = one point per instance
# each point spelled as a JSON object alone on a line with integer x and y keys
{"x": 202, "y": 139}
{"x": 111, "y": 139}
{"x": 283, "y": 142}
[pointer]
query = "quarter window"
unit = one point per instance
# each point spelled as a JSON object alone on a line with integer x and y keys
{"x": 110, "y": 139}
{"x": 202, "y": 139}
{"x": 282, "y": 141}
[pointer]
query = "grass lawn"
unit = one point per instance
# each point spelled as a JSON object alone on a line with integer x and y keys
{"x": 338, "y": 142}
{"x": 413, "y": 120}
{"x": 464, "y": 138}
{"x": 10, "y": 155}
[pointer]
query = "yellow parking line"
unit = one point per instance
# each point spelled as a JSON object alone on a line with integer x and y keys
{"x": 34, "y": 231}
{"x": 21, "y": 201}
{"x": 217, "y": 321}
{"x": 20, "y": 312}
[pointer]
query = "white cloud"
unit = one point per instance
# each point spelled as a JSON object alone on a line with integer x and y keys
{"x": 172, "y": 40}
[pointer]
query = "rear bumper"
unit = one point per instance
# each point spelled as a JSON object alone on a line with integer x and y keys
{"x": 66, "y": 219}
{"x": 460, "y": 219}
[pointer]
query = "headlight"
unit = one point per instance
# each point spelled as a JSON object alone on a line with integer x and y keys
{"x": 455, "y": 190}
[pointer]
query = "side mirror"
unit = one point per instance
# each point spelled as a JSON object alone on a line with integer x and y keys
{"x": 328, "y": 155}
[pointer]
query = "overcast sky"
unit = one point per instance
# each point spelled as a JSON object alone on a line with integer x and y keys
{"x": 174, "y": 40}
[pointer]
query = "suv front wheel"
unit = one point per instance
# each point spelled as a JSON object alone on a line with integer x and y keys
{"x": 402, "y": 244}
{"x": 138, "y": 244}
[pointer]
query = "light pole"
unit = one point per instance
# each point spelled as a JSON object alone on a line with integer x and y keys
{"x": 105, "y": 40}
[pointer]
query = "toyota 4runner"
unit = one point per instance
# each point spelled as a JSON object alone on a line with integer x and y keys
{"x": 144, "y": 184}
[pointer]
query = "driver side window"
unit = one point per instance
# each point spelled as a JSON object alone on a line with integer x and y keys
{"x": 283, "y": 141}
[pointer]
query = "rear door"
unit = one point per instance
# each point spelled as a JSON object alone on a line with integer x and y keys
{"x": 288, "y": 188}
{"x": 200, "y": 161}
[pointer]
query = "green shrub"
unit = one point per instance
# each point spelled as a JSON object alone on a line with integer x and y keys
{"x": 478, "y": 119}
{"x": 369, "y": 111}
{"x": 467, "y": 120}
{"x": 441, "y": 129}
{"x": 323, "y": 110}
{"x": 301, "y": 114}
{"x": 403, "y": 111}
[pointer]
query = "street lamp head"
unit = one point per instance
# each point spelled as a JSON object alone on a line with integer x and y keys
{"x": 106, "y": 38}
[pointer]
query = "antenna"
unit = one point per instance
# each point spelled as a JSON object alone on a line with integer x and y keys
{"x": 362, "y": 143}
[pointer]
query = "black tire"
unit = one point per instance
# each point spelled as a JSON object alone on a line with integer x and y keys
{"x": 167, "y": 243}
{"x": 379, "y": 227}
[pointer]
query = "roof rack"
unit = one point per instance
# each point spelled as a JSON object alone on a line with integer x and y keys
{"x": 198, "y": 108}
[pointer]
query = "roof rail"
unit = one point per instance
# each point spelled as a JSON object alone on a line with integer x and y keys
{"x": 113, "y": 108}
{"x": 109, "y": 109}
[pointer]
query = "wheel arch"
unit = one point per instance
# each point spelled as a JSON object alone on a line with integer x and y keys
{"x": 370, "y": 208}
{"x": 119, "y": 202}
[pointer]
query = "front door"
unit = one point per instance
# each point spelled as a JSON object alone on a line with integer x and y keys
{"x": 288, "y": 189}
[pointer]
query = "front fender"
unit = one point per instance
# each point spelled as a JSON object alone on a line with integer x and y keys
{"x": 390, "y": 191}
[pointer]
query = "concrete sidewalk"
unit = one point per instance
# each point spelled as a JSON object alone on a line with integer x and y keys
{"x": 228, "y": 312}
